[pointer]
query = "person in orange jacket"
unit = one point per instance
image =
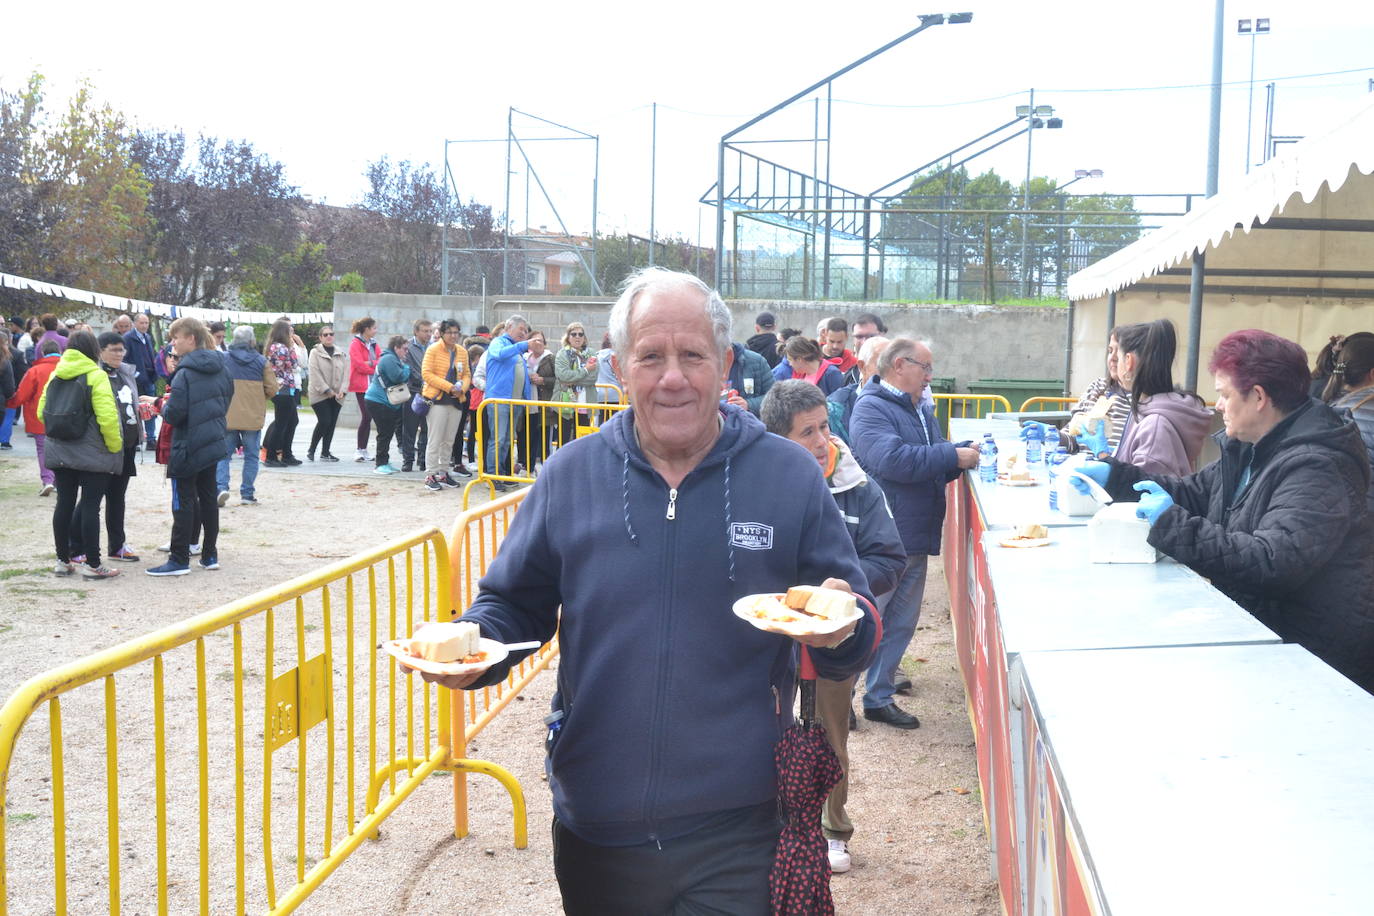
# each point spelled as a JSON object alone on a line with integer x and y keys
{"x": 26, "y": 396}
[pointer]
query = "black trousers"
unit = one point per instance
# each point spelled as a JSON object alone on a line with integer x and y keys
{"x": 326, "y": 417}
{"x": 413, "y": 426}
{"x": 114, "y": 502}
{"x": 283, "y": 429}
{"x": 388, "y": 419}
{"x": 721, "y": 868}
{"x": 78, "y": 522}
{"x": 193, "y": 501}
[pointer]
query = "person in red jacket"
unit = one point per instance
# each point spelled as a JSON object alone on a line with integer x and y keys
{"x": 26, "y": 396}
{"x": 363, "y": 356}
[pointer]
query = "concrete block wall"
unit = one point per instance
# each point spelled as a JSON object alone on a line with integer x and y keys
{"x": 970, "y": 342}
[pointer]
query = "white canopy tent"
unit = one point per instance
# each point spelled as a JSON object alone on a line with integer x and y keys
{"x": 158, "y": 309}
{"x": 1289, "y": 249}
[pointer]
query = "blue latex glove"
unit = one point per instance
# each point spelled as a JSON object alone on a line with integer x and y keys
{"x": 1047, "y": 432}
{"x": 1096, "y": 441}
{"x": 1099, "y": 471}
{"x": 1153, "y": 501}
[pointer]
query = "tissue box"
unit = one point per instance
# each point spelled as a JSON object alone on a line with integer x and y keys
{"x": 1115, "y": 535}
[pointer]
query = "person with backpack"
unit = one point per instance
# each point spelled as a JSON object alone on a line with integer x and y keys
{"x": 84, "y": 447}
{"x": 197, "y": 410}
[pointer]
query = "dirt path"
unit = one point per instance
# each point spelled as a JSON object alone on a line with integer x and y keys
{"x": 919, "y": 843}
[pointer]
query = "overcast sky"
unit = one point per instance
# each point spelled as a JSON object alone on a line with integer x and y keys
{"x": 328, "y": 88}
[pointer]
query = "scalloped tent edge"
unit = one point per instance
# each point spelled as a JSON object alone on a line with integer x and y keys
{"x": 1327, "y": 160}
{"x": 158, "y": 309}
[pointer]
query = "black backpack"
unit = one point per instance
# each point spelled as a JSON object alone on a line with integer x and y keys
{"x": 67, "y": 407}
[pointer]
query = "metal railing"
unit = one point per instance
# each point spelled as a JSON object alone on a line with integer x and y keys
{"x": 171, "y": 752}
{"x": 529, "y": 432}
{"x": 958, "y": 406}
{"x": 1046, "y": 403}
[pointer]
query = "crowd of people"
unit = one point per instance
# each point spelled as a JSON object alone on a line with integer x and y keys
{"x": 669, "y": 803}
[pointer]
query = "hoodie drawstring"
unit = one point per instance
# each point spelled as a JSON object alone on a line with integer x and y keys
{"x": 625, "y": 497}
{"x": 730, "y": 541}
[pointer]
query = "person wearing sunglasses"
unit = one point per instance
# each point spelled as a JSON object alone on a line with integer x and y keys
{"x": 328, "y": 388}
{"x": 574, "y": 371}
{"x": 898, "y": 442}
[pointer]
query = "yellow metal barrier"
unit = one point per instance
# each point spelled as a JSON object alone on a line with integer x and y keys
{"x": 612, "y": 394}
{"x": 949, "y": 406}
{"x": 473, "y": 542}
{"x": 163, "y": 791}
{"x": 1046, "y": 403}
{"x": 534, "y": 430}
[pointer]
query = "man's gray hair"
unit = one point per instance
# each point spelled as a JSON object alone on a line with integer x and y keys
{"x": 660, "y": 278}
{"x": 243, "y": 336}
{"x": 785, "y": 400}
{"x": 901, "y": 347}
{"x": 513, "y": 320}
{"x": 873, "y": 343}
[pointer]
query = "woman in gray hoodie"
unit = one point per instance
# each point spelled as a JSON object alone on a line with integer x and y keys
{"x": 1166, "y": 427}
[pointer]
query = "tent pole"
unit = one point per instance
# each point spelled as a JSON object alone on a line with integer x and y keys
{"x": 1068, "y": 353}
{"x": 1213, "y": 160}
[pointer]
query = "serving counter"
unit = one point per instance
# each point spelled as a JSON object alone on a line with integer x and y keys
{"x": 1005, "y": 602}
{"x": 1234, "y": 779}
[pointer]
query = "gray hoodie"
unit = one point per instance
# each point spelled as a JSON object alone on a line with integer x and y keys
{"x": 1165, "y": 434}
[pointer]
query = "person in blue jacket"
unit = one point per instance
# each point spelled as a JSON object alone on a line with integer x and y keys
{"x": 506, "y": 378}
{"x": 391, "y": 371}
{"x": 633, "y": 545}
{"x": 897, "y": 440}
{"x": 140, "y": 352}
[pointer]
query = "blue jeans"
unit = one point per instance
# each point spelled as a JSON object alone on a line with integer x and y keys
{"x": 900, "y": 609}
{"x": 498, "y": 428}
{"x": 249, "y": 439}
{"x": 7, "y": 415}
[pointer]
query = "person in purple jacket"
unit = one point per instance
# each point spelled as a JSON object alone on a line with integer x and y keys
{"x": 1165, "y": 429}
{"x": 633, "y": 545}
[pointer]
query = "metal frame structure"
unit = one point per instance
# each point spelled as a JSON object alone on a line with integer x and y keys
{"x": 515, "y": 143}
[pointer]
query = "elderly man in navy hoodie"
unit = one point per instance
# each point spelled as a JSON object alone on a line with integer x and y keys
{"x": 897, "y": 440}
{"x": 668, "y": 706}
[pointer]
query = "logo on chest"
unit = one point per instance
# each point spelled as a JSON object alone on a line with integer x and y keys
{"x": 751, "y": 536}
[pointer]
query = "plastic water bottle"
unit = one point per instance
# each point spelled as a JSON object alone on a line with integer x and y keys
{"x": 1035, "y": 440}
{"x": 987, "y": 460}
{"x": 1051, "y": 443}
{"x": 1055, "y": 458}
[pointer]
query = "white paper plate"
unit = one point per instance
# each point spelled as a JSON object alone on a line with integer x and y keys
{"x": 803, "y": 625}
{"x": 496, "y": 652}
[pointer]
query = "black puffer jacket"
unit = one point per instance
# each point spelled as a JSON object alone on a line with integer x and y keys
{"x": 1296, "y": 546}
{"x": 197, "y": 409}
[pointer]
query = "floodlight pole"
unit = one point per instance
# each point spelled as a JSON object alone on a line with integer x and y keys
{"x": 653, "y": 179}
{"x": 1025, "y": 201}
{"x": 927, "y": 21}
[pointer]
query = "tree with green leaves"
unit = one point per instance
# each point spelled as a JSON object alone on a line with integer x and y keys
{"x": 74, "y": 201}
{"x": 298, "y": 280}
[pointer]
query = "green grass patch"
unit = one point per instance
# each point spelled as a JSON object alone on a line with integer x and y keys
{"x": 30, "y": 571}
{"x": 20, "y": 818}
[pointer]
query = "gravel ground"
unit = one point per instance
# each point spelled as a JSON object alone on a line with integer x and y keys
{"x": 919, "y": 842}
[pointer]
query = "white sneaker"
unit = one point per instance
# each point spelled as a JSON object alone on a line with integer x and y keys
{"x": 223, "y": 498}
{"x": 362, "y": 455}
{"x": 47, "y": 490}
{"x": 194, "y": 549}
{"x": 839, "y": 857}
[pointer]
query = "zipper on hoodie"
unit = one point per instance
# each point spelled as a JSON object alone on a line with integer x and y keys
{"x": 665, "y": 660}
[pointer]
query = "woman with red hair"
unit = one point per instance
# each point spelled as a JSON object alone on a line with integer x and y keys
{"x": 1279, "y": 523}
